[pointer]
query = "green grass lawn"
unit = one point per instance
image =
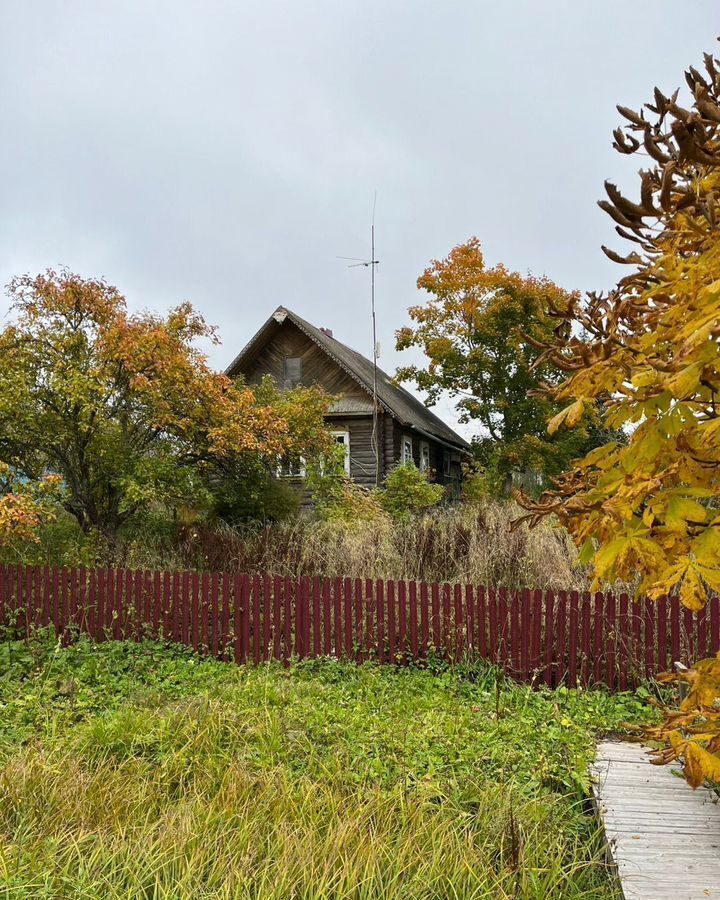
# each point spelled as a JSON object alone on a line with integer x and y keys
{"x": 139, "y": 771}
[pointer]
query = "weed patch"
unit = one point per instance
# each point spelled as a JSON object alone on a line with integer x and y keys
{"x": 138, "y": 770}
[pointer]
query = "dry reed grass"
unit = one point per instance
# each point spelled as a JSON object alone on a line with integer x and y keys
{"x": 472, "y": 544}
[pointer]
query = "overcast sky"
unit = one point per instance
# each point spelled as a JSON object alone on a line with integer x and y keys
{"x": 227, "y": 152}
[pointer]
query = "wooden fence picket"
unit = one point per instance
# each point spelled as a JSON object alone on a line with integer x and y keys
{"x": 541, "y": 637}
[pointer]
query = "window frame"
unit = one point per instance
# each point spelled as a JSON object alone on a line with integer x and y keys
{"x": 292, "y": 382}
{"x": 447, "y": 463}
{"x": 424, "y": 456}
{"x": 344, "y": 433}
{"x": 404, "y": 458}
{"x": 301, "y": 472}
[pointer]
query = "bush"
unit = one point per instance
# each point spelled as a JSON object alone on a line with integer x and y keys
{"x": 476, "y": 487}
{"x": 338, "y": 499}
{"x": 408, "y": 491}
{"x": 260, "y": 497}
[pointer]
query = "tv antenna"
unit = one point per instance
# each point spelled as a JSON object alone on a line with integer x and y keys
{"x": 357, "y": 262}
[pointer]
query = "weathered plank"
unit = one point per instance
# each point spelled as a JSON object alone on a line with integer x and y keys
{"x": 664, "y": 837}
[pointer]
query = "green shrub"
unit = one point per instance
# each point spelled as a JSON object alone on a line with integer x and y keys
{"x": 260, "y": 497}
{"x": 476, "y": 487}
{"x": 408, "y": 491}
{"x": 338, "y": 499}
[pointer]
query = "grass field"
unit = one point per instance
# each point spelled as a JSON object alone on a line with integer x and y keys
{"x": 140, "y": 771}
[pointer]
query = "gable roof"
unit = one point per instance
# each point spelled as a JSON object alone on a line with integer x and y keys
{"x": 400, "y": 403}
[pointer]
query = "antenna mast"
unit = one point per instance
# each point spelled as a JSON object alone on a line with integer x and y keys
{"x": 371, "y": 263}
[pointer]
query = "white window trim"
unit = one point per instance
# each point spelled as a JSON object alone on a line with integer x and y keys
{"x": 345, "y": 433}
{"x": 406, "y": 439}
{"x": 447, "y": 463}
{"x": 424, "y": 456}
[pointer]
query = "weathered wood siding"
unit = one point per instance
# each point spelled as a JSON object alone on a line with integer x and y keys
{"x": 362, "y": 455}
{"x": 394, "y": 444}
{"x": 318, "y": 368}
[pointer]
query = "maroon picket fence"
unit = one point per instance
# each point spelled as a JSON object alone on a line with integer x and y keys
{"x": 544, "y": 637}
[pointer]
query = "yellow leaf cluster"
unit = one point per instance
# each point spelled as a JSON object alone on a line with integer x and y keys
{"x": 691, "y": 732}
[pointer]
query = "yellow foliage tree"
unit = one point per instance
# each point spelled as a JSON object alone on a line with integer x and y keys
{"x": 652, "y": 345}
{"x": 650, "y": 507}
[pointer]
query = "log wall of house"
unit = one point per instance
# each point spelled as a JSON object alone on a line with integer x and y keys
{"x": 318, "y": 368}
{"x": 436, "y": 454}
{"x": 362, "y": 455}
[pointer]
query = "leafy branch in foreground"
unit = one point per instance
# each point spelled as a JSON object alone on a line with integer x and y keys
{"x": 650, "y": 508}
{"x": 691, "y": 732}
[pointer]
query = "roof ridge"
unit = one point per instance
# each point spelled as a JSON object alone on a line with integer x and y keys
{"x": 391, "y": 378}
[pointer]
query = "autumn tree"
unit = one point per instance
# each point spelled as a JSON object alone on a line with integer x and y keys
{"x": 125, "y": 408}
{"x": 650, "y": 508}
{"x": 479, "y": 330}
{"x": 24, "y": 507}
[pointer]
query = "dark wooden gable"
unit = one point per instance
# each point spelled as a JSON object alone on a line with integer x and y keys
{"x": 288, "y": 342}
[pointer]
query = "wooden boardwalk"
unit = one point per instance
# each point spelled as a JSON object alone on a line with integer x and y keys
{"x": 664, "y": 837}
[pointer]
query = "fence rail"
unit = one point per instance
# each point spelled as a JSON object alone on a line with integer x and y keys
{"x": 539, "y": 636}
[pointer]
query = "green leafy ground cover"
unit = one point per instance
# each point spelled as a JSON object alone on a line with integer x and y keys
{"x": 141, "y": 771}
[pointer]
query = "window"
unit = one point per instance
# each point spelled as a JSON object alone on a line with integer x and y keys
{"x": 407, "y": 449}
{"x": 293, "y": 370}
{"x": 446, "y": 463}
{"x": 290, "y": 467}
{"x": 343, "y": 438}
{"x": 424, "y": 456}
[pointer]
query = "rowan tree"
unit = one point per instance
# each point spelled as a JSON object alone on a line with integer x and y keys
{"x": 125, "y": 408}
{"x": 479, "y": 330}
{"x": 650, "y": 346}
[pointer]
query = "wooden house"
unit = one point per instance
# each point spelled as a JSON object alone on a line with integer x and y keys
{"x": 293, "y": 352}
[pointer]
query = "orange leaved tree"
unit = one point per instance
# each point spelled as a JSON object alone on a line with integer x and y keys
{"x": 24, "y": 507}
{"x": 480, "y": 328}
{"x": 125, "y": 408}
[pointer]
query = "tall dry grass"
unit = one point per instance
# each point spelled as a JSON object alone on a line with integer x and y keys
{"x": 118, "y": 832}
{"x": 473, "y": 544}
